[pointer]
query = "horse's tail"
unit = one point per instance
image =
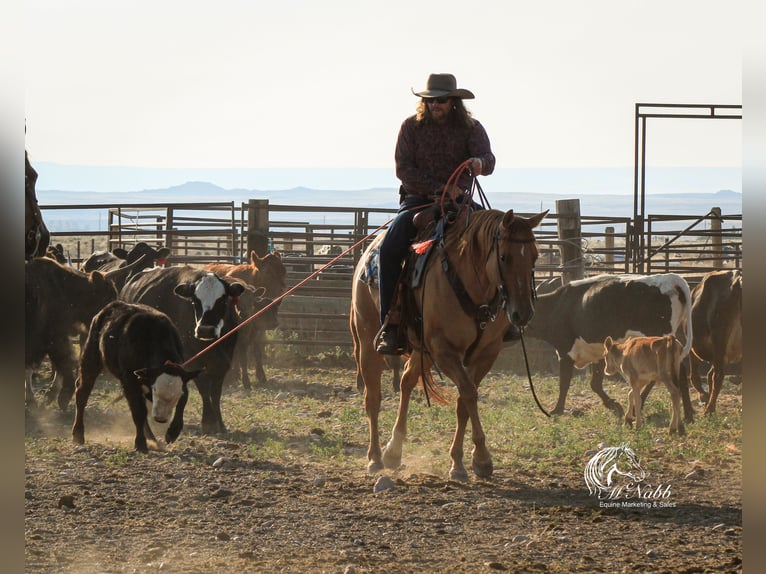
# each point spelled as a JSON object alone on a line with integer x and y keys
{"x": 434, "y": 391}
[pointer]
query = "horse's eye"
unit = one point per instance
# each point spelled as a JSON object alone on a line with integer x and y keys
{"x": 502, "y": 258}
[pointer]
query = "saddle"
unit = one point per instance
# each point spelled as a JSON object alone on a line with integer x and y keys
{"x": 433, "y": 224}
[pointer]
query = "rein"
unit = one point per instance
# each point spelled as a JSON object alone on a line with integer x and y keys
{"x": 529, "y": 376}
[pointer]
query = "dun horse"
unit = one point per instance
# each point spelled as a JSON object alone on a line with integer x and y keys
{"x": 36, "y": 236}
{"x": 493, "y": 257}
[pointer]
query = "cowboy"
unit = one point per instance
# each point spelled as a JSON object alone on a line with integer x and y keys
{"x": 431, "y": 144}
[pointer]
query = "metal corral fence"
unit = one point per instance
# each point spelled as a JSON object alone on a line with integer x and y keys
{"x": 315, "y": 317}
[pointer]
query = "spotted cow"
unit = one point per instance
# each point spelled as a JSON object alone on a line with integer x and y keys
{"x": 269, "y": 273}
{"x": 203, "y": 307}
{"x": 577, "y": 317}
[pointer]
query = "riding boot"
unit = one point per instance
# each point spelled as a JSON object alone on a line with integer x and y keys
{"x": 389, "y": 341}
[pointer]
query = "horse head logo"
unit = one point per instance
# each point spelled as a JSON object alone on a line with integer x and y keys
{"x": 612, "y": 466}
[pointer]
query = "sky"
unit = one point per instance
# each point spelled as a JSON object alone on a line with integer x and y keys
{"x": 310, "y": 84}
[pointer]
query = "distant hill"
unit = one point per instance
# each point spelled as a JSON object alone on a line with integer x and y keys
{"x": 602, "y": 205}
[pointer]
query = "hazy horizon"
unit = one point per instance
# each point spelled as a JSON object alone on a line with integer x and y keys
{"x": 559, "y": 180}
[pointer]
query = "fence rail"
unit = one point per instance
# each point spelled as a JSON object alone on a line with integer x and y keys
{"x": 308, "y": 237}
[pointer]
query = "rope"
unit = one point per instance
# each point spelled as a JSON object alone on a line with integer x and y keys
{"x": 285, "y": 294}
{"x": 529, "y": 376}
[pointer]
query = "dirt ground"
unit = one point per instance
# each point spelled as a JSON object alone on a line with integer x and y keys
{"x": 205, "y": 504}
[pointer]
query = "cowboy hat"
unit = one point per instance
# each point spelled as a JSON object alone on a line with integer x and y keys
{"x": 440, "y": 85}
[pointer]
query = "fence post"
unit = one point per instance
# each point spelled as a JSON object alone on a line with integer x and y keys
{"x": 716, "y": 241}
{"x": 169, "y": 239}
{"x": 570, "y": 236}
{"x": 609, "y": 245}
{"x": 257, "y": 227}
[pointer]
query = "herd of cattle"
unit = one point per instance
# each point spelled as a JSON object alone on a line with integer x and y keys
{"x": 122, "y": 306}
{"x": 147, "y": 325}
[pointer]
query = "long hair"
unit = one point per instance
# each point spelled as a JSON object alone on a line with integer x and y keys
{"x": 459, "y": 115}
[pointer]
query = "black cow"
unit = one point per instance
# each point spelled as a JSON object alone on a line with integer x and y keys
{"x": 576, "y": 319}
{"x": 109, "y": 260}
{"x": 58, "y": 301}
{"x": 202, "y": 306}
{"x": 142, "y": 348}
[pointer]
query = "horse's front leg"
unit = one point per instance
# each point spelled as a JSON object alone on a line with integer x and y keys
{"x": 392, "y": 454}
{"x": 468, "y": 409}
{"x": 458, "y": 471}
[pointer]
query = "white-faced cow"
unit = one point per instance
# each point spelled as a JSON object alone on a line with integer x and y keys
{"x": 203, "y": 307}
{"x": 59, "y": 302}
{"x": 142, "y": 348}
{"x": 643, "y": 361}
{"x": 576, "y": 319}
{"x": 105, "y": 261}
{"x": 267, "y": 272}
{"x": 717, "y": 321}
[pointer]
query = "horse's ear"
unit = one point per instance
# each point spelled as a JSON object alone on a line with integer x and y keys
{"x": 535, "y": 220}
{"x": 508, "y": 219}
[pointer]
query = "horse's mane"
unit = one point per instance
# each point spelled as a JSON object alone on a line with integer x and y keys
{"x": 480, "y": 230}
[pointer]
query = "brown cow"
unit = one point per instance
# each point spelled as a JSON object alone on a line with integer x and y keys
{"x": 717, "y": 321}
{"x": 268, "y": 272}
{"x": 643, "y": 361}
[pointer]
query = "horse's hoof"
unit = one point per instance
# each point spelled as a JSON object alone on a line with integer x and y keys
{"x": 391, "y": 460}
{"x": 458, "y": 474}
{"x": 374, "y": 467}
{"x": 483, "y": 469}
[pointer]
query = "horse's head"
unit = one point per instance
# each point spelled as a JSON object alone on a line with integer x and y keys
{"x": 36, "y": 236}
{"x": 626, "y": 464}
{"x": 516, "y": 256}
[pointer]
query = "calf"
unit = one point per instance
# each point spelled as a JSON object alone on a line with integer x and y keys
{"x": 717, "y": 320}
{"x": 577, "y": 317}
{"x": 142, "y": 348}
{"x": 643, "y": 361}
{"x": 203, "y": 308}
{"x": 267, "y": 273}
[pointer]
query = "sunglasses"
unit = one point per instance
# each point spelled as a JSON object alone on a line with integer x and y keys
{"x": 441, "y": 100}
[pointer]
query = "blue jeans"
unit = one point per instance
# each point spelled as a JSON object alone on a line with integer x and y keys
{"x": 394, "y": 248}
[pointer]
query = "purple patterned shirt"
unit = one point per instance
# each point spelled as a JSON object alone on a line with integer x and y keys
{"x": 428, "y": 154}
